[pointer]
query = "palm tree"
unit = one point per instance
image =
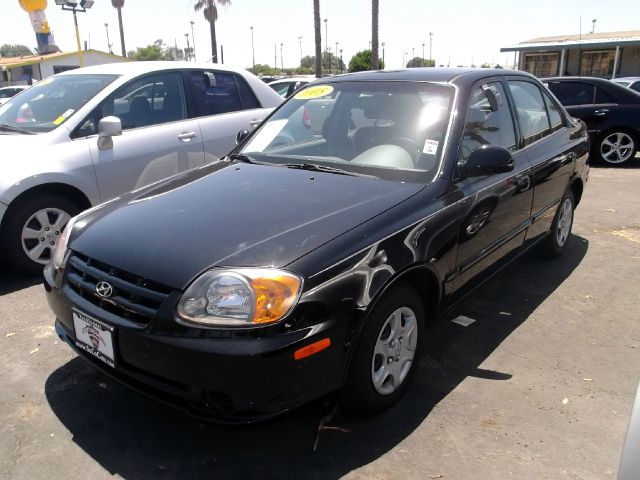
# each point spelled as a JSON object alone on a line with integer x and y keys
{"x": 374, "y": 35}
{"x": 316, "y": 26}
{"x": 210, "y": 12}
{"x": 118, "y": 4}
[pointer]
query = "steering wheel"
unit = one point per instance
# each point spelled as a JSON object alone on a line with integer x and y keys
{"x": 410, "y": 145}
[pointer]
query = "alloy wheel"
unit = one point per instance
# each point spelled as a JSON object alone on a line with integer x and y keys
{"x": 565, "y": 219}
{"x": 41, "y": 233}
{"x": 617, "y": 148}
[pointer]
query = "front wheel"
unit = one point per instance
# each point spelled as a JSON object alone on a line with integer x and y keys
{"x": 615, "y": 147}
{"x": 561, "y": 226}
{"x": 33, "y": 229}
{"x": 387, "y": 353}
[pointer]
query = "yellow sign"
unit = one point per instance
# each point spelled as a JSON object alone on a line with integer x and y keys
{"x": 33, "y": 5}
{"x": 314, "y": 92}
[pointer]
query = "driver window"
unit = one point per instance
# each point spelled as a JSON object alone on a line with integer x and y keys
{"x": 483, "y": 126}
{"x": 146, "y": 101}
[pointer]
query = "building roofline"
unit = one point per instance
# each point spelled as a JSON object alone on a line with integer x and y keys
{"x": 24, "y": 61}
{"x": 586, "y": 40}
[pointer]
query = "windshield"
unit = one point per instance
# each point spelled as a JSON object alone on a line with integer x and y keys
{"x": 51, "y": 102}
{"x": 392, "y": 130}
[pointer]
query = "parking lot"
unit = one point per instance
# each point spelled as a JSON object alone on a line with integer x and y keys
{"x": 539, "y": 386}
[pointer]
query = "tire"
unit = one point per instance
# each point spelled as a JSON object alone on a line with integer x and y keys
{"x": 32, "y": 231}
{"x": 386, "y": 354}
{"x": 558, "y": 238}
{"x": 615, "y": 147}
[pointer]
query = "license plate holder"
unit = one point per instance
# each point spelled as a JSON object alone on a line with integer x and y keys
{"x": 94, "y": 337}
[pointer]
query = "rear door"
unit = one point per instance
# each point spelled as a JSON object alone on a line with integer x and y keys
{"x": 496, "y": 209}
{"x": 583, "y": 100}
{"x": 546, "y": 140}
{"x": 224, "y": 105}
{"x": 158, "y": 138}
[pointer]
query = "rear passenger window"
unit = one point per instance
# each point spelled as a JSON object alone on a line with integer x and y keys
{"x": 575, "y": 93}
{"x": 215, "y": 93}
{"x": 247, "y": 97}
{"x": 604, "y": 97}
{"x": 483, "y": 125}
{"x": 555, "y": 117}
{"x": 532, "y": 112}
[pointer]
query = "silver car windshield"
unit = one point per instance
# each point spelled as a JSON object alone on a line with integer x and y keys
{"x": 393, "y": 130}
{"x": 52, "y": 101}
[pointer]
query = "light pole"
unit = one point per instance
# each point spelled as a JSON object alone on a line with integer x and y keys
{"x": 337, "y": 57}
{"x": 253, "y": 52}
{"x": 300, "y": 41}
{"x": 423, "y": 54}
{"x": 79, "y": 6}
{"x": 593, "y": 23}
{"x": 106, "y": 27}
{"x": 430, "y": 43}
{"x": 281, "y": 59}
{"x": 413, "y": 53}
{"x": 186, "y": 35}
{"x": 382, "y": 53}
{"x": 326, "y": 41}
{"x": 341, "y": 62}
{"x": 193, "y": 37}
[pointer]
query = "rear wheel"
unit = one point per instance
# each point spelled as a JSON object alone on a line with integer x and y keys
{"x": 561, "y": 227}
{"x": 33, "y": 229}
{"x": 615, "y": 147}
{"x": 387, "y": 353}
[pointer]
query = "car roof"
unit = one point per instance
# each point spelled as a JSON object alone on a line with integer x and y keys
{"x": 428, "y": 74}
{"x": 137, "y": 68}
{"x": 626, "y": 79}
{"x": 292, "y": 79}
{"x": 596, "y": 80}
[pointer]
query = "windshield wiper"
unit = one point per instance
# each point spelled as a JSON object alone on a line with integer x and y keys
{"x": 10, "y": 128}
{"x": 323, "y": 168}
{"x": 241, "y": 157}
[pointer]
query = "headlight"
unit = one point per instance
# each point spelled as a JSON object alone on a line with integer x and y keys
{"x": 240, "y": 297}
{"x": 61, "y": 248}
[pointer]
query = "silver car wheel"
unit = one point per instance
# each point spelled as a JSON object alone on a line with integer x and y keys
{"x": 41, "y": 233}
{"x": 565, "y": 219}
{"x": 394, "y": 351}
{"x": 617, "y": 148}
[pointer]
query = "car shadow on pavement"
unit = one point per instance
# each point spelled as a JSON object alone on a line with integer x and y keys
{"x": 11, "y": 281}
{"x": 137, "y": 438}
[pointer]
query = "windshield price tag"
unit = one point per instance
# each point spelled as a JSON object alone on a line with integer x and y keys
{"x": 430, "y": 147}
{"x": 314, "y": 92}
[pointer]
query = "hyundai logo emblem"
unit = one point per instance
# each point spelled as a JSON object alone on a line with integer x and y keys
{"x": 104, "y": 289}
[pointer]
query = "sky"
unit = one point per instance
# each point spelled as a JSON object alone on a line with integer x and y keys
{"x": 464, "y": 31}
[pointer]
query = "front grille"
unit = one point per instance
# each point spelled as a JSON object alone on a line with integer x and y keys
{"x": 133, "y": 298}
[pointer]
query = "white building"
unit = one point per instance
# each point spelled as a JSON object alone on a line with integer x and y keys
{"x": 22, "y": 70}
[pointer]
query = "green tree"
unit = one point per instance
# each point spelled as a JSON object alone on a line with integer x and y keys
{"x": 416, "y": 62}
{"x": 16, "y": 50}
{"x": 330, "y": 62}
{"x": 318, "y": 39}
{"x": 485, "y": 65}
{"x": 362, "y": 61}
{"x": 148, "y": 53}
{"x": 118, "y": 4}
{"x": 375, "y": 10}
{"x": 210, "y": 11}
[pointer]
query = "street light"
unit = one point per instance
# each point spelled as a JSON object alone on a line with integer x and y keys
{"x": 76, "y": 6}
{"x": 423, "y": 54}
{"x": 430, "y": 40}
{"x": 383, "y": 54}
{"x": 281, "y": 59}
{"x": 106, "y": 27}
{"x": 300, "y": 40}
{"x": 253, "y": 51}
{"x": 341, "y": 62}
{"x": 336, "y": 56}
{"x": 186, "y": 35}
{"x": 193, "y": 38}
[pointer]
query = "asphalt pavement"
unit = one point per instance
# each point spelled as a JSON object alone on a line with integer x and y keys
{"x": 539, "y": 386}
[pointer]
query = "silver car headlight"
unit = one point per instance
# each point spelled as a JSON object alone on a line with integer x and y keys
{"x": 240, "y": 297}
{"x": 61, "y": 249}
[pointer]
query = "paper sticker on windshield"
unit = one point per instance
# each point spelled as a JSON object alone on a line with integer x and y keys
{"x": 314, "y": 92}
{"x": 64, "y": 116}
{"x": 430, "y": 147}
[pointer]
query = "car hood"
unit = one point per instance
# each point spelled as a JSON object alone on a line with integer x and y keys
{"x": 231, "y": 215}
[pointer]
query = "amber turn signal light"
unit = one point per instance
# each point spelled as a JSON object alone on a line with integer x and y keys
{"x": 312, "y": 349}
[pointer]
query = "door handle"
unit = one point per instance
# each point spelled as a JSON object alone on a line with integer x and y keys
{"x": 186, "y": 136}
{"x": 601, "y": 112}
{"x": 255, "y": 123}
{"x": 523, "y": 182}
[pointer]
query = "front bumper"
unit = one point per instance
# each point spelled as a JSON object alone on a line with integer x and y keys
{"x": 231, "y": 378}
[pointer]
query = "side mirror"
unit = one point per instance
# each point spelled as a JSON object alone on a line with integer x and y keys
{"x": 107, "y": 128}
{"x": 240, "y": 137}
{"x": 487, "y": 160}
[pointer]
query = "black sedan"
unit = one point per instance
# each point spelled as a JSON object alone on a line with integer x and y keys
{"x": 313, "y": 258}
{"x": 611, "y": 112}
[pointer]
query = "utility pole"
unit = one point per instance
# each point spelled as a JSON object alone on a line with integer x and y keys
{"x": 253, "y": 52}
{"x": 423, "y": 54}
{"x": 337, "y": 57}
{"x": 275, "y": 56}
{"x": 341, "y": 62}
{"x": 281, "y": 58}
{"x": 430, "y": 44}
{"x": 300, "y": 41}
{"x": 106, "y": 27}
{"x": 194, "y": 42}
{"x": 186, "y": 35}
{"x": 383, "y": 53}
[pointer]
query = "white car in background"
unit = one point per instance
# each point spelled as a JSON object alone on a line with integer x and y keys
{"x": 88, "y": 135}
{"x": 8, "y": 92}
{"x": 285, "y": 87}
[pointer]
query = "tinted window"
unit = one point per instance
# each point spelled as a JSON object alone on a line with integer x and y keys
{"x": 281, "y": 89}
{"x": 554, "y": 114}
{"x": 247, "y": 96}
{"x": 483, "y": 126}
{"x": 531, "y": 110}
{"x": 635, "y": 86}
{"x": 604, "y": 97}
{"x": 215, "y": 92}
{"x": 150, "y": 100}
{"x": 574, "y": 93}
